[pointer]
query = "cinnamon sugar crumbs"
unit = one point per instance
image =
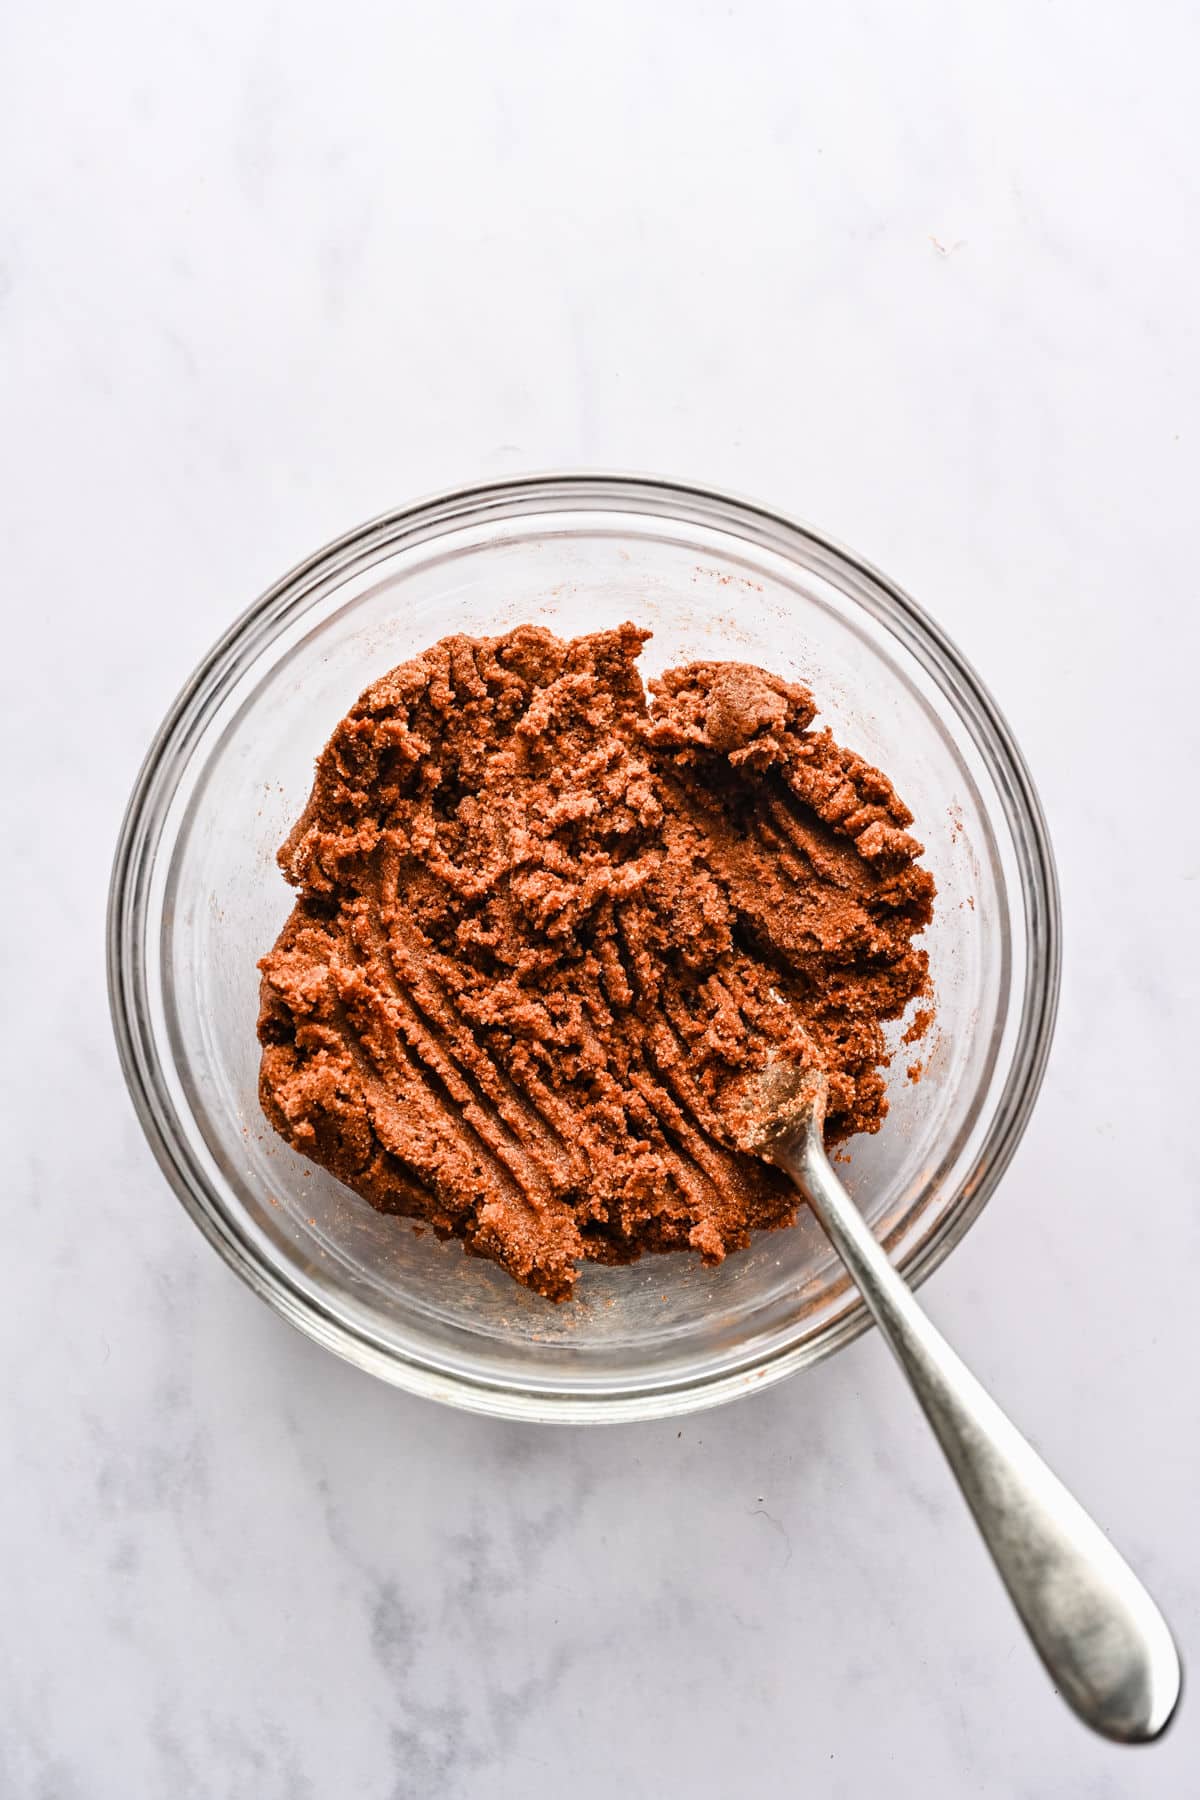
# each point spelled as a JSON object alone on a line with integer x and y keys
{"x": 922, "y": 1019}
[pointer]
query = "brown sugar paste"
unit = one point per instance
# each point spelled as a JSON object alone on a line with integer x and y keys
{"x": 546, "y": 924}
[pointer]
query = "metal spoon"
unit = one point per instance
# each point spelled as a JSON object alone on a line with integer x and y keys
{"x": 1104, "y": 1643}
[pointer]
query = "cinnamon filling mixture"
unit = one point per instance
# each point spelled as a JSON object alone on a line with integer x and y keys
{"x": 547, "y": 925}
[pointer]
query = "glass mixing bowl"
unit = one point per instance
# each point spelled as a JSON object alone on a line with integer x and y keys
{"x": 197, "y": 898}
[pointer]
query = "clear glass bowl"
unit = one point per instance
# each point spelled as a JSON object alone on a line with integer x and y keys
{"x": 197, "y": 898}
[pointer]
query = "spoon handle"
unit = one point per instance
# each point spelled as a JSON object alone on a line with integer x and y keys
{"x": 1102, "y": 1639}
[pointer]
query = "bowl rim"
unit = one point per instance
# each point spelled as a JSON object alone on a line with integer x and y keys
{"x": 169, "y": 753}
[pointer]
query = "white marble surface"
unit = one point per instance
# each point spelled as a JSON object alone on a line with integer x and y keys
{"x": 923, "y": 274}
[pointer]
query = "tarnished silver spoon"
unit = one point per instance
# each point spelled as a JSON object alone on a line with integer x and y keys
{"x": 1103, "y": 1641}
